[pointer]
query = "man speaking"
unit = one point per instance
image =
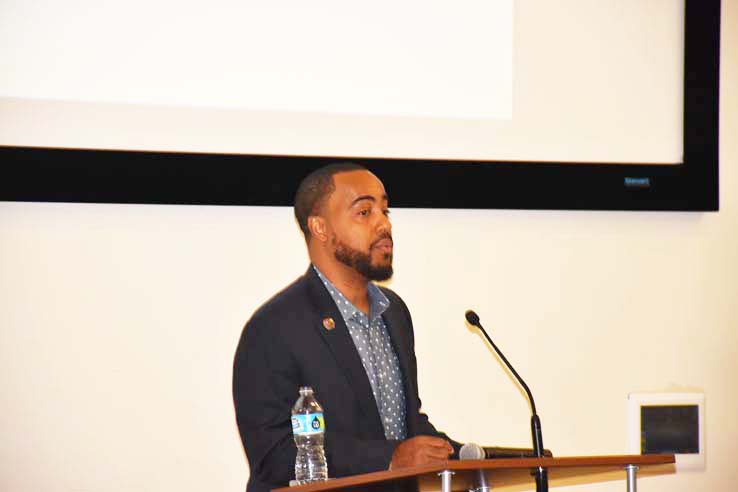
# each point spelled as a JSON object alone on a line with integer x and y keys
{"x": 336, "y": 331}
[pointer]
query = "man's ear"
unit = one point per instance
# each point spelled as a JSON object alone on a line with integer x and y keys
{"x": 318, "y": 228}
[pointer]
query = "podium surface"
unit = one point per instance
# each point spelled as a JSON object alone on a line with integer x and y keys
{"x": 509, "y": 474}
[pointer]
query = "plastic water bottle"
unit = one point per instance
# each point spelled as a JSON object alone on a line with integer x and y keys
{"x": 308, "y": 429}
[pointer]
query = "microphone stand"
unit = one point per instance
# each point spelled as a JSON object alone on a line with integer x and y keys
{"x": 540, "y": 473}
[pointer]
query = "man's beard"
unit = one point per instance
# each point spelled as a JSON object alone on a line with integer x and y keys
{"x": 362, "y": 262}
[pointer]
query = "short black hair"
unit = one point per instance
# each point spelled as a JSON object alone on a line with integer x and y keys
{"x": 315, "y": 189}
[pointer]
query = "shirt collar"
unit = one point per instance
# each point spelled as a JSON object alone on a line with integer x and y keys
{"x": 378, "y": 302}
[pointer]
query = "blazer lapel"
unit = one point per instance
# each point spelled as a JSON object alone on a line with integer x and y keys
{"x": 398, "y": 331}
{"x": 344, "y": 351}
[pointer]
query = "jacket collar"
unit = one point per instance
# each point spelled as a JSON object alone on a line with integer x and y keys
{"x": 347, "y": 357}
{"x": 344, "y": 351}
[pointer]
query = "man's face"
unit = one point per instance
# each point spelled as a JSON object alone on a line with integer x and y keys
{"x": 360, "y": 231}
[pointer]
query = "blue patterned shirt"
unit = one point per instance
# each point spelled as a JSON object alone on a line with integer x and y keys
{"x": 378, "y": 356}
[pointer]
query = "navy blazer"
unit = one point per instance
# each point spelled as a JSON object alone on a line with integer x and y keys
{"x": 284, "y": 346}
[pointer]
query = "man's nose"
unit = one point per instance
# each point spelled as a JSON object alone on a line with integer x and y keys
{"x": 384, "y": 224}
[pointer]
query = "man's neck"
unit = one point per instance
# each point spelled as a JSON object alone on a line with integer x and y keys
{"x": 348, "y": 281}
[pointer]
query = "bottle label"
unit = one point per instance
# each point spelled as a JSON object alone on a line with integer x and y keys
{"x": 305, "y": 424}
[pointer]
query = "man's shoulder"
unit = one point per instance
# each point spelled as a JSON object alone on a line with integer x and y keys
{"x": 391, "y": 295}
{"x": 294, "y": 297}
{"x": 396, "y": 305}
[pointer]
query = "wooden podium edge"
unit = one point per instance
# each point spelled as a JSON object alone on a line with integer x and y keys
{"x": 493, "y": 464}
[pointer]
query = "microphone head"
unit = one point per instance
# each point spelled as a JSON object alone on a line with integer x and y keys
{"x": 471, "y": 451}
{"x": 472, "y": 318}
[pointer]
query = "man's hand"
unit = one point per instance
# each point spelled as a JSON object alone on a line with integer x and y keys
{"x": 420, "y": 450}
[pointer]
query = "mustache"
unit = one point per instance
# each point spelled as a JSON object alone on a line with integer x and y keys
{"x": 382, "y": 237}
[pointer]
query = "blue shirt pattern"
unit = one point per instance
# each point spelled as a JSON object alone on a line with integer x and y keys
{"x": 378, "y": 356}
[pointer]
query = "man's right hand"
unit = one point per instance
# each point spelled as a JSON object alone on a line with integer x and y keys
{"x": 420, "y": 450}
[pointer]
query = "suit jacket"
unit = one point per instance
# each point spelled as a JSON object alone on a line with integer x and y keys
{"x": 284, "y": 346}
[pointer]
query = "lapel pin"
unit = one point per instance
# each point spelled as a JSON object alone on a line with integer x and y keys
{"x": 328, "y": 323}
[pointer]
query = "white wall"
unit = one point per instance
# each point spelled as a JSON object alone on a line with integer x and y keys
{"x": 118, "y": 325}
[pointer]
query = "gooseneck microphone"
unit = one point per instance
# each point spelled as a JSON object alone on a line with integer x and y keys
{"x": 541, "y": 475}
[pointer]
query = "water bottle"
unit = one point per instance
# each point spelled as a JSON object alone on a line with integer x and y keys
{"x": 308, "y": 428}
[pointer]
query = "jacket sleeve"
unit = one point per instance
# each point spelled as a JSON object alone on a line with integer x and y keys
{"x": 266, "y": 379}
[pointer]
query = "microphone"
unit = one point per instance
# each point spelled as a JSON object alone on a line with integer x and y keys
{"x": 473, "y": 451}
{"x": 540, "y": 474}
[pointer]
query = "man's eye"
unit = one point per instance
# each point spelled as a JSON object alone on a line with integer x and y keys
{"x": 387, "y": 212}
{"x": 364, "y": 212}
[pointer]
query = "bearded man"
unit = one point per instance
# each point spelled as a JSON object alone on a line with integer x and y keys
{"x": 333, "y": 329}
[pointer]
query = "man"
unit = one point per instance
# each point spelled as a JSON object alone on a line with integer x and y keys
{"x": 336, "y": 331}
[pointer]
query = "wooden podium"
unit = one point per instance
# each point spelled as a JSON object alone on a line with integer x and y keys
{"x": 508, "y": 474}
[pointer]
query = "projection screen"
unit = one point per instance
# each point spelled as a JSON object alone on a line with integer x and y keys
{"x": 488, "y": 101}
